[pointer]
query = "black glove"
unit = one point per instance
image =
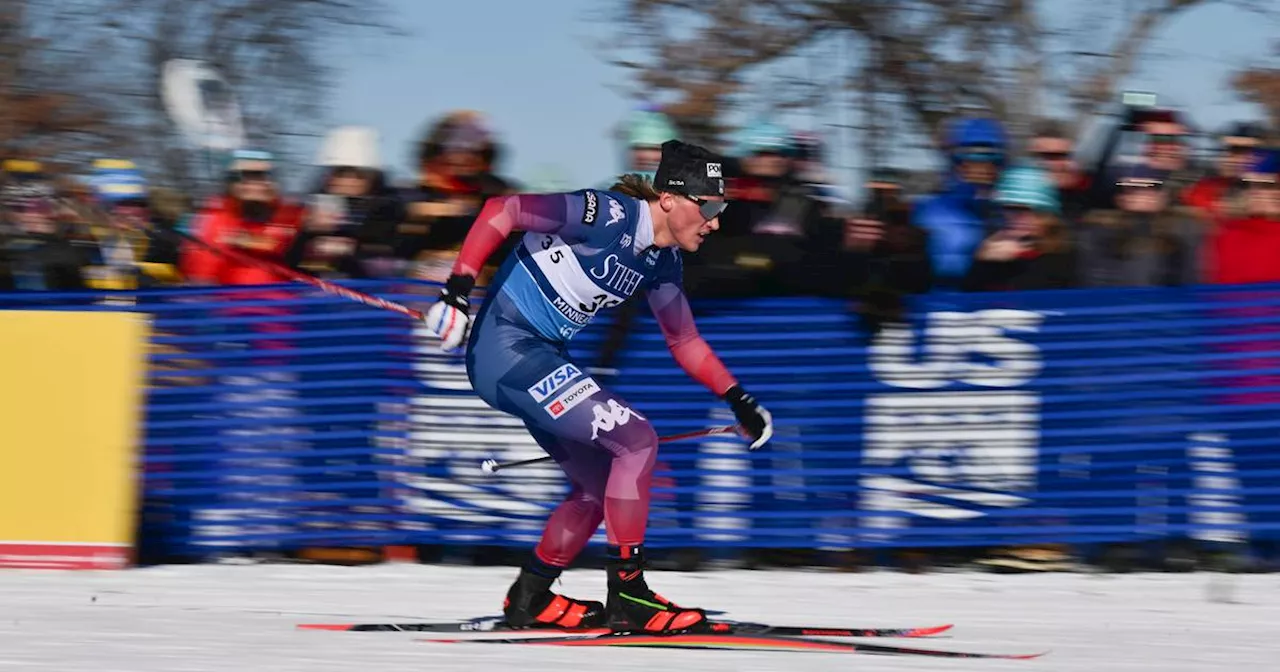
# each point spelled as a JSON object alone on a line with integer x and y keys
{"x": 757, "y": 422}
{"x": 457, "y": 290}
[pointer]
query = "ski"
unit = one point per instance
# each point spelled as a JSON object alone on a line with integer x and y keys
{"x": 496, "y": 624}
{"x": 736, "y": 642}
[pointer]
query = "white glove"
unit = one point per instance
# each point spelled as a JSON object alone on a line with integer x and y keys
{"x": 449, "y": 318}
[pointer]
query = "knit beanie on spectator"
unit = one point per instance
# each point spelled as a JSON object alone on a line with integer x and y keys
{"x": 1029, "y": 187}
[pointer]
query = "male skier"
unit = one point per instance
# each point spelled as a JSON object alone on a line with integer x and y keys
{"x": 583, "y": 252}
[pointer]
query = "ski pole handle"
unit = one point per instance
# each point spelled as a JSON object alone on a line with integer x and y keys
{"x": 491, "y": 466}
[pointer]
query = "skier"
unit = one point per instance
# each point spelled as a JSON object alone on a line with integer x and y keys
{"x": 583, "y": 252}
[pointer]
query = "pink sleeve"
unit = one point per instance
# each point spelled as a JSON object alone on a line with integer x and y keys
{"x": 690, "y": 350}
{"x": 543, "y": 213}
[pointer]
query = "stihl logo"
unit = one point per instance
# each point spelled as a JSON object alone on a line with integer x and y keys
{"x": 606, "y": 419}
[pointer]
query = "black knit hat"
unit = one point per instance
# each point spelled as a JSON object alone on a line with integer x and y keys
{"x": 689, "y": 169}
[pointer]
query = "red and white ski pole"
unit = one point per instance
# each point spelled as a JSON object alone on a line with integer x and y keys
{"x": 286, "y": 272}
{"x": 494, "y": 466}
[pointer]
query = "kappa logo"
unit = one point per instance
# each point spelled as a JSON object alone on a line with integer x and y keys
{"x": 553, "y": 382}
{"x": 606, "y": 419}
{"x": 589, "y": 217}
{"x": 713, "y": 170}
{"x": 616, "y": 212}
{"x": 567, "y": 401}
{"x": 651, "y": 259}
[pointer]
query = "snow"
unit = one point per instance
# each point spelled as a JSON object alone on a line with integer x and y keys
{"x": 241, "y": 618}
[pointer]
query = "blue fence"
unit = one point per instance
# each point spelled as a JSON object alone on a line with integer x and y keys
{"x": 280, "y": 418}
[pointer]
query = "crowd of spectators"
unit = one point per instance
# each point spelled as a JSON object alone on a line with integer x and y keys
{"x": 1145, "y": 210}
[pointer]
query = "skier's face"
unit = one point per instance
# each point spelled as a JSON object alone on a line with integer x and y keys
{"x": 692, "y": 219}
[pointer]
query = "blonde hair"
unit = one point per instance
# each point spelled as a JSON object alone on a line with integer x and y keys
{"x": 635, "y": 186}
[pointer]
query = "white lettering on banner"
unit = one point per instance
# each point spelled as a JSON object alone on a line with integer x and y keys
{"x": 1215, "y": 514}
{"x": 621, "y": 279}
{"x": 607, "y": 420}
{"x": 616, "y": 213}
{"x": 950, "y": 341}
{"x": 565, "y": 403}
{"x": 553, "y": 382}
{"x": 970, "y": 450}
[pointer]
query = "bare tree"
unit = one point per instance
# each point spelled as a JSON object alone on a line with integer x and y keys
{"x": 928, "y": 58}
{"x": 88, "y": 72}
{"x": 49, "y": 106}
{"x": 1261, "y": 85}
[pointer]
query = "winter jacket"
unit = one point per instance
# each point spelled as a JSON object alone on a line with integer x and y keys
{"x": 219, "y": 223}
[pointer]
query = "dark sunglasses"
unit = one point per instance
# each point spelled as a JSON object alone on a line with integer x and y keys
{"x": 708, "y": 209}
{"x": 1236, "y": 150}
{"x": 254, "y": 176}
{"x": 1053, "y": 156}
{"x": 1258, "y": 182}
{"x": 1165, "y": 139}
{"x": 981, "y": 156}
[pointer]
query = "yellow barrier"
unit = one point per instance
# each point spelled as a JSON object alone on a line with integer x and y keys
{"x": 70, "y": 419}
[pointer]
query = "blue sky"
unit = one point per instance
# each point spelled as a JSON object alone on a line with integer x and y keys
{"x": 533, "y": 69}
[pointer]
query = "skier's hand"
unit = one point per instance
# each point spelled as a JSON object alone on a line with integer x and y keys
{"x": 449, "y": 317}
{"x": 757, "y": 422}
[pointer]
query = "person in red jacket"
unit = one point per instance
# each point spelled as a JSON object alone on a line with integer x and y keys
{"x": 251, "y": 218}
{"x": 1246, "y": 248}
{"x": 1215, "y": 195}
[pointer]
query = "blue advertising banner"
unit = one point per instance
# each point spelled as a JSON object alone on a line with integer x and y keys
{"x": 280, "y": 418}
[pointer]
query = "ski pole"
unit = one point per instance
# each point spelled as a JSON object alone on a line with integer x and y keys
{"x": 494, "y": 466}
{"x": 286, "y": 272}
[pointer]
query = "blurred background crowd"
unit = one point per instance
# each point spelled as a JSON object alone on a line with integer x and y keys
{"x": 1146, "y": 209}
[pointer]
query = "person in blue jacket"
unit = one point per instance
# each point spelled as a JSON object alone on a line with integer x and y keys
{"x": 961, "y": 216}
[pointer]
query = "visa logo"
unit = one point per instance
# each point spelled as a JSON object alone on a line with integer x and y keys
{"x": 553, "y": 382}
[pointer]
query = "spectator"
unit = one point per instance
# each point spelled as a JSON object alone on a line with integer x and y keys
{"x": 886, "y": 256}
{"x": 1053, "y": 149}
{"x": 34, "y": 255}
{"x": 349, "y": 228}
{"x": 777, "y": 236}
{"x": 810, "y": 168}
{"x": 251, "y": 218}
{"x": 644, "y": 131}
{"x": 1032, "y": 250}
{"x": 123, "y": 255}
{"x": 1246, "y": 248}
{"x": 961, "y": 216}
{"x": 1238, "y": 150}
{"x": 1166, "y": 145}
{"x": 1147, "y": 240}
{"x": 456, "y": 163}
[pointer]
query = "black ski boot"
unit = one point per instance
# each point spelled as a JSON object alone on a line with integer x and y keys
{"x": 634, "y": 607}
{"x": 531, "y": 604}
